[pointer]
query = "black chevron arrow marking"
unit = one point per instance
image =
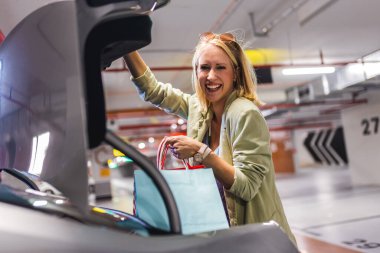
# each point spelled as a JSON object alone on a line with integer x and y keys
{"x": 339, "y": 145}
{"x": 320, "y": 148}
{"x": 325, "y": 145}
{"x": 307, "y": 143}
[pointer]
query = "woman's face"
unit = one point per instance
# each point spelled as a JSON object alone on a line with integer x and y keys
{"x": 215, "y": 74}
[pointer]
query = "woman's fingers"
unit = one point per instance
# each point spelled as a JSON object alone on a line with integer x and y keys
{"x": 179, "y": 146}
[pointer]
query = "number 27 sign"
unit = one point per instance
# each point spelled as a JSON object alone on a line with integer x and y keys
{"x": 370, "y": 126}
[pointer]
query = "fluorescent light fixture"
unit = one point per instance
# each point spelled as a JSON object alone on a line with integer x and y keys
{"x": 308, "y": 71}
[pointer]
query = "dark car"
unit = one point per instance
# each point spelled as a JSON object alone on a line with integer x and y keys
{"x": 52, "y": 111}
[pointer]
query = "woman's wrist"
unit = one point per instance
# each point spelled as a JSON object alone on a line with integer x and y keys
{"x": 202, "y": 153}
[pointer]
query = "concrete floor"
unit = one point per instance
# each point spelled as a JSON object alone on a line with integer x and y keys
{"x": 323, "y": 206}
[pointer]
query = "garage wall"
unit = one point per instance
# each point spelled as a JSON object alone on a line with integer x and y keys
{"x": 362, "y": 134}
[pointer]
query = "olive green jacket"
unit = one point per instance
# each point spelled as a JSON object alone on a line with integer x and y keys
{"x": 244, "y": 143}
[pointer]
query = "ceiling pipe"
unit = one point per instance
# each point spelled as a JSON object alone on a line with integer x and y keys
{"x": 140, "y": 126}
{"x": 263, "y": 33}
{"x": 288, "y": 126}
{"x": 305, "y": 126}
{"x": 152, "y": 111}
{"x": 272, "y": 129}
{"x": 135, "y": 113}
{"x": 303, "y": 120}
{"x": 189, "y": 68}
{"x": 276, "y": 19}
{"x": 315, "y": 102}
{"x": 227, "y": 13}
{"x": 337, "y": 109}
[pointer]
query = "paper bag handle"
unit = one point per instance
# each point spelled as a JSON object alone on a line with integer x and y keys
{"x": 161, "y": 157}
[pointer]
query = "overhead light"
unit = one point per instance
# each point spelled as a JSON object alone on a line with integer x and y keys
{"x": 141, "y": 145}
{"x": 308, "y": 71}
{"x": 180, "y": 121}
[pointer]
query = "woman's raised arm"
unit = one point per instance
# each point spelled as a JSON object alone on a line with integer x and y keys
{"x": 135, "y": 64}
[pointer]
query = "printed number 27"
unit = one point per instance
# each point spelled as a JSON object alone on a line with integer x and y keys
{"x": 366, "y": 123}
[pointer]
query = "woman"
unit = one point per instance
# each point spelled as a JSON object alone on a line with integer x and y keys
{"x": 226, "y": 131}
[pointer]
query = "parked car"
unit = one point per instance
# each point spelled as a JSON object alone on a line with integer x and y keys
{"x": 52, "y": 112}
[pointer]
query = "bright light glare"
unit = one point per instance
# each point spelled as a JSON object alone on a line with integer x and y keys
{"x": 268, "y": 112}
{"x": 40, "y": 203}
{"x": 180, "y": 121}
{"x": 151, "y": 140}
{"x": 372, "y": 69}
{"x": 40, "y": 145}
{"x": 308, "y": 71}
{"x": 33, "y": 157}
{"x": 153, "y": 7}
{"x": 174, "y": 126}
{"x": 59, "y": 201}
{"x": 141, "y": 145}
{"x": 111, "y": 164}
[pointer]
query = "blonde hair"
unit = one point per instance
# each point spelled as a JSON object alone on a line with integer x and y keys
{"x": 245, "y": 83}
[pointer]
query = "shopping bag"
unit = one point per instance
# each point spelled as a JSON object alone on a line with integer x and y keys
{"x": 195, "y": 192}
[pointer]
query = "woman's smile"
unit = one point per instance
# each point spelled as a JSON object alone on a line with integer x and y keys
{"x": 211, "y": 88}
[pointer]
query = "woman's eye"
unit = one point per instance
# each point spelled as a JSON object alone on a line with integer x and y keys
{"x": 220, "y": 67}
{"x": 204, "y": 67}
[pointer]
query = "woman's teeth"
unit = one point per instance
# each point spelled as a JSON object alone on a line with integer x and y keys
{"x": 213, "y": 87}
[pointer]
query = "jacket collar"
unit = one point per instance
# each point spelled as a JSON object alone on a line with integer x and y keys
{"x": 229, "y": 101}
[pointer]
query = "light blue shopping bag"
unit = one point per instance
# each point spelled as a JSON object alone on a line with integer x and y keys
{"x": 196, "y": 194}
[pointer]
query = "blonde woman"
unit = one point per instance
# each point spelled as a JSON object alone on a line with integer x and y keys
{"x": 226, "y": 131}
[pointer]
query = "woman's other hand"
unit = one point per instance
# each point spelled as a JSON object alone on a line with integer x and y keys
{"x": 183, "y": 147}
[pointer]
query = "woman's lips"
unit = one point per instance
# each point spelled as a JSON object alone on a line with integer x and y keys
{"x": 213, "y": 87}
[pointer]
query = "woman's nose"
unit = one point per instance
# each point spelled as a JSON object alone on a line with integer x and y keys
{"x": 211, "y": 75}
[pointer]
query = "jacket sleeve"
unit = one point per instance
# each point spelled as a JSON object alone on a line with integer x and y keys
{"x": 250, "y": 153}
{"x": 162, "y": 95}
